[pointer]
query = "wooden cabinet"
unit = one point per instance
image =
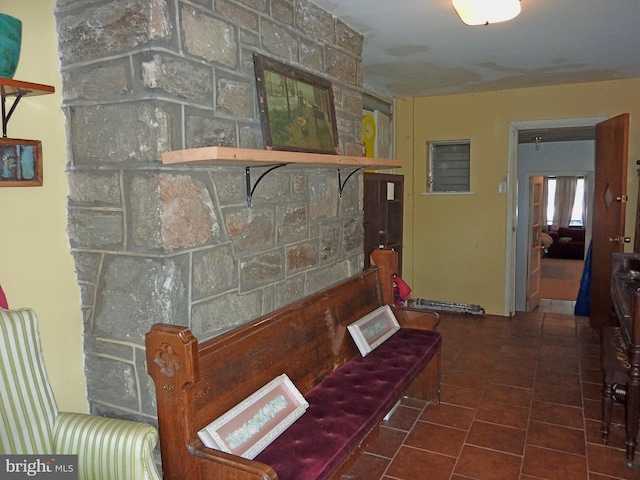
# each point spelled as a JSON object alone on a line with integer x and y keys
{"x": 383, "y": 210}
{"x": 625, "y": 294}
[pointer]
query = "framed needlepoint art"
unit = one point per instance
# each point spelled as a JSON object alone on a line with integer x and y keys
{"x": 257, "y": 421}
{"x": 297, "y": 112}
{"x": 373, "y": 329}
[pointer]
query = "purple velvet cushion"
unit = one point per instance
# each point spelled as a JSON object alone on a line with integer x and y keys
{"x": 345, "y": 406}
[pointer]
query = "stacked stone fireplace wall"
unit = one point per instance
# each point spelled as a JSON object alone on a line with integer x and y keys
{"x": 178, "y": 244}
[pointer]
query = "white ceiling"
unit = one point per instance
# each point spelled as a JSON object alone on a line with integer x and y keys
{"x": 421, "y": 48}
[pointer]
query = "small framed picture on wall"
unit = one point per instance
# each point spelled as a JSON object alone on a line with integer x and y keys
{"x": 20, "y": 163}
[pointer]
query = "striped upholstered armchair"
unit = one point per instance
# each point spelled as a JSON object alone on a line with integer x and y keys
{"x": 30, "y": 423}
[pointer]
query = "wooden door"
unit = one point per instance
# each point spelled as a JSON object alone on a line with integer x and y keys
{"x": 536, "y": 204}
{"x": 609, "y": 206}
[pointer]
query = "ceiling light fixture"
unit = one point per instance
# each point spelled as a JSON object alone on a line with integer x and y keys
{"x": 484, "y": 12}
{"x": 537, "y": 140}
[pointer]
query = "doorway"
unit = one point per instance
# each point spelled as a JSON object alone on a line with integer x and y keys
{"x": 559, "y": 244}
{"x": 548, "y": 148}
{"x": 563, "y": 238}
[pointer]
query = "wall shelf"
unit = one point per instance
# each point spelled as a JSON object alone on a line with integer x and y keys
{"x": 18, "y": 89}
{"x": 272, "y": 159}
{"x": 251, "y": 157}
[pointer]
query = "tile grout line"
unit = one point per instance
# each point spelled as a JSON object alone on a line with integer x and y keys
{"x": 533, "y": 391}
{"x": 475, "y": 413}
{"x": 406, "y": 435}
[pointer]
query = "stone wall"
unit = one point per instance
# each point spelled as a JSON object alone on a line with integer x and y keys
{"x": 179, "y": 244}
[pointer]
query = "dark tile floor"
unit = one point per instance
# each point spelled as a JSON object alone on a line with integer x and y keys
{"x": 520, "y": 400}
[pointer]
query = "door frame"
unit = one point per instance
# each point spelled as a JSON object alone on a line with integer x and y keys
{"x": 589, "y": 179}
{"x": 534, "y": 230}
{"x": 512, "y": 196}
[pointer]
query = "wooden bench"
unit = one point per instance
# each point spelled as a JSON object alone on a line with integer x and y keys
{"x": 308, "y": 340}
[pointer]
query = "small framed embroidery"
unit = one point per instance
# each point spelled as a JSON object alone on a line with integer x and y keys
{"x": 254, "y": 423}
{"x": 373, "y": 329}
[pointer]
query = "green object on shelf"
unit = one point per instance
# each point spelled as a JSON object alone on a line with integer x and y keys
{"x": 10, "y": 41}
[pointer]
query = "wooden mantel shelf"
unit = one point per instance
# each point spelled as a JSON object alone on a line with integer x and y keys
{"x": 250, "y": 157}
{"x": 246, "y": 157}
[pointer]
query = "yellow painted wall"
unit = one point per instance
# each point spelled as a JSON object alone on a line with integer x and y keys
{"x": 456, "y": 249}
{"x": 36, "y": 268}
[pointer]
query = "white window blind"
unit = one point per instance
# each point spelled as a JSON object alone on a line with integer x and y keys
{"x": 449, "y": 166}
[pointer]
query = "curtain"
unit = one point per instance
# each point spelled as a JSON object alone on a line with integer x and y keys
{"x": 584, "y": 205}
{"x": 563, "y": 204}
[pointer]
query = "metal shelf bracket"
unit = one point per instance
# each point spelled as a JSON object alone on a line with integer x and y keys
{"x": 251, "y": 189}
{"x": 6, "y": 116}
{"x": 342, "y": 184}
{"x": 247, "y": 175}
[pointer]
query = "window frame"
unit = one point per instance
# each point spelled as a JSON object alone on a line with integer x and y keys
{"x": 432, "y": 171}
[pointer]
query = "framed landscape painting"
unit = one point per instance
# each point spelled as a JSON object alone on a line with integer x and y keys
{"x": 297, "y": 112}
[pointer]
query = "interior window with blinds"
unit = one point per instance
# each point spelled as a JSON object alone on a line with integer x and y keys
{"x": 449, "y": 166}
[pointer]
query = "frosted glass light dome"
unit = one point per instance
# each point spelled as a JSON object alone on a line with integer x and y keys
{"x": 484, "y": 12}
